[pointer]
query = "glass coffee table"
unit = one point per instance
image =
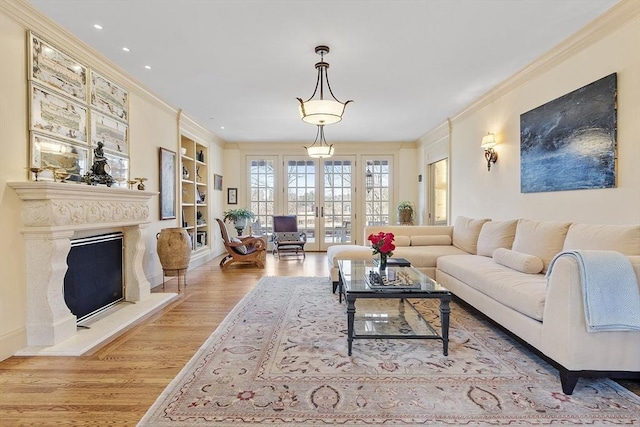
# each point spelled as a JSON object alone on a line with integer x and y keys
{"x": 358, "y": 280}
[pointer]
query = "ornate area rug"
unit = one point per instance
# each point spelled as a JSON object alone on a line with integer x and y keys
{"x": 280, "y": 357}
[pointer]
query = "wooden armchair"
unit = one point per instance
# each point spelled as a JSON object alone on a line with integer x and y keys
{"x": 244, "y": 249}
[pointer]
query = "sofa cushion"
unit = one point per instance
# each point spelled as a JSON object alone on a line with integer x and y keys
{"x": 466, "y": 232}
{"x": 621, "y": 238}
{"x": 401, "y": 240}
{"x": 438, "y": 240}
{"x": 496, "y": 234}
{"x": 524, "y": 263}
{"x": 425, "y": 256}
{"x": 524, "y": 293}
{"x": 542, "y": 239}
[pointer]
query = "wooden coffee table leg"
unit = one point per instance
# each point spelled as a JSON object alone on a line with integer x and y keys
{"x": 444, "y": 319}
{"x": 351, "y": 311}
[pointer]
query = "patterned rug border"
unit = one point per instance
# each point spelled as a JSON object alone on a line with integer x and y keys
{"x": 190, "y": 372}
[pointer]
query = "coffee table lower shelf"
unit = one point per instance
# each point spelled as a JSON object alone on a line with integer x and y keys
{"x": 444, "y": 318}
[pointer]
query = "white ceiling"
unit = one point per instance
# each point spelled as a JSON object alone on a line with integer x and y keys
{"x": 407, "y": 64}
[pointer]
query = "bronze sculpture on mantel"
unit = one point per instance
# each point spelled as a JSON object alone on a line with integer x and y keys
{"x": 99, "y": 173}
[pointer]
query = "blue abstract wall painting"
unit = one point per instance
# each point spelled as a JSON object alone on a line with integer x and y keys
{"x": 570, "y": 143}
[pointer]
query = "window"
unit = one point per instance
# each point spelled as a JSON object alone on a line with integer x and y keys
{"x": 377, "y": 182}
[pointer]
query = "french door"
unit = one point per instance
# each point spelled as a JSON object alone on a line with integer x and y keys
{"x": 320, "y": 192}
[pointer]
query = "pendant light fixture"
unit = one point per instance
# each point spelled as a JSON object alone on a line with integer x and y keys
{"x": 322, "y": 149}
{"x": 321, "y": 111}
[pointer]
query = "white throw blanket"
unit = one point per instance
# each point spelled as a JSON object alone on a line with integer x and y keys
{"x": 609, "y": 290}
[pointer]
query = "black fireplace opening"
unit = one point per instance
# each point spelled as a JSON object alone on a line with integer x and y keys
{"x": 95, "y": 274}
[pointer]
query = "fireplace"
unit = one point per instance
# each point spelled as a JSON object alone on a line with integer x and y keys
{"x": 94, "y": 279}
{"x": 53, "y": 215}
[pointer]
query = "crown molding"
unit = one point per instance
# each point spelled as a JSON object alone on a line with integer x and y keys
{"x": 32, "y": 19}
{"x": 437, "y": 134}
{"x": 196, "y": 131}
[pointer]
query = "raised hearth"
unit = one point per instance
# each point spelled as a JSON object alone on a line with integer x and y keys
{"x": 54, "y": 213}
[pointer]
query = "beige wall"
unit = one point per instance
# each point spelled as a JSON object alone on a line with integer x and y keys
{"x": 611, "y": 44}
{"x": 152, "y": 124}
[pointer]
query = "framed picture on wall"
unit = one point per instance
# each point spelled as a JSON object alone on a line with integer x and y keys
{"x": 570, "y": 143}
{"x": 56, "y": 69}
{"x": 108, "y": 97}
{"x": 167, "y": 184}
{"x": 54, "y": 154}
{"x": 56, "y": 115}
{"x": 232, "y": 196}
{"x": 217, "y": 182}
{"x": 110, "y": 131}
{"x": 119, "y": 167}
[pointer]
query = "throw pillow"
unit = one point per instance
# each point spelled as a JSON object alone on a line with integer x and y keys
{"x": 466, "y": 232}
{"x": 437, "y": 240}
{"x": 496, "y": 234}
{"x": 620, "y": 238}
{"x": 524, "y": 263}
{"x": 542, "y": 239}
{"x": 288, "y": 237}
{"x": 242, "y": 249}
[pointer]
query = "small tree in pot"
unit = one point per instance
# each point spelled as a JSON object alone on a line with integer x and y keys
{"x": 239, "y": 218}
{"x": 405, "y": 213}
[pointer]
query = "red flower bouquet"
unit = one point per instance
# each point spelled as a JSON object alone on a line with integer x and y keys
{"x": 382, "y": 243}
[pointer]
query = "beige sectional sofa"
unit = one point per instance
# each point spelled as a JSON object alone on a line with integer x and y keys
{"x": 500, "y": 268}
{"x": 420, "y": 245}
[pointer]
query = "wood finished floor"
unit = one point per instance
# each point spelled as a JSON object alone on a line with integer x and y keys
{"x": 117, "y": 383}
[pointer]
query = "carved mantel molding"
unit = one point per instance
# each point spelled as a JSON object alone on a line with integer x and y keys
{"x": 77, "y": 206}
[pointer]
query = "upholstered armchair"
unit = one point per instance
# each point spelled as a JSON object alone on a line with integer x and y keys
{"x": 242, "y": 249}
{"x": 287, "y": 240}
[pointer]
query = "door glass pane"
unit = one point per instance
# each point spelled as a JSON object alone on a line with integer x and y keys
{"x": 377, "y": 192}
{"x": 301, "y": 195}
{"x": 337, "y": 177}
{"x": 262, "y": 194}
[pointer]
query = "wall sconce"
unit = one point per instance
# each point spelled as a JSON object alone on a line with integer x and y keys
{"x": 488, "y": 142}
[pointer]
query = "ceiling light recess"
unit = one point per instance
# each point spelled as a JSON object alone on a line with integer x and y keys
{"x": 322, "y": 150}
{"x": 321, "y": 111}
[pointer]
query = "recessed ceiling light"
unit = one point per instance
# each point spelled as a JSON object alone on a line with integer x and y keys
{"x": 221, "y": 127}
{"x": 126, "y": 49}
{"x": 148, "y": 67}
{"x": 97, "y": 26}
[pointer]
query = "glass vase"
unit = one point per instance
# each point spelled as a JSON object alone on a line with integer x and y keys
{"x": 383, "y": 263}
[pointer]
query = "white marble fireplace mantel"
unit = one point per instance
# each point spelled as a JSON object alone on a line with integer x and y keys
{"x": 52, "y": 214}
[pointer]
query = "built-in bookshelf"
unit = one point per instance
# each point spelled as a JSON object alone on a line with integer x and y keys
{"x": 194, "y": 189}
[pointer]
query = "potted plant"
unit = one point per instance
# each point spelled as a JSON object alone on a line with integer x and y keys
{"x": 238, "y": 217}
{"x": 405, "y": 213}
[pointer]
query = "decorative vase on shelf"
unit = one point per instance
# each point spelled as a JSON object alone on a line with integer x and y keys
{"x": 382, "y": 266}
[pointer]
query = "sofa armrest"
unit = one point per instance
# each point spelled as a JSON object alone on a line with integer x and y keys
{"x": 565, "y": 338}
